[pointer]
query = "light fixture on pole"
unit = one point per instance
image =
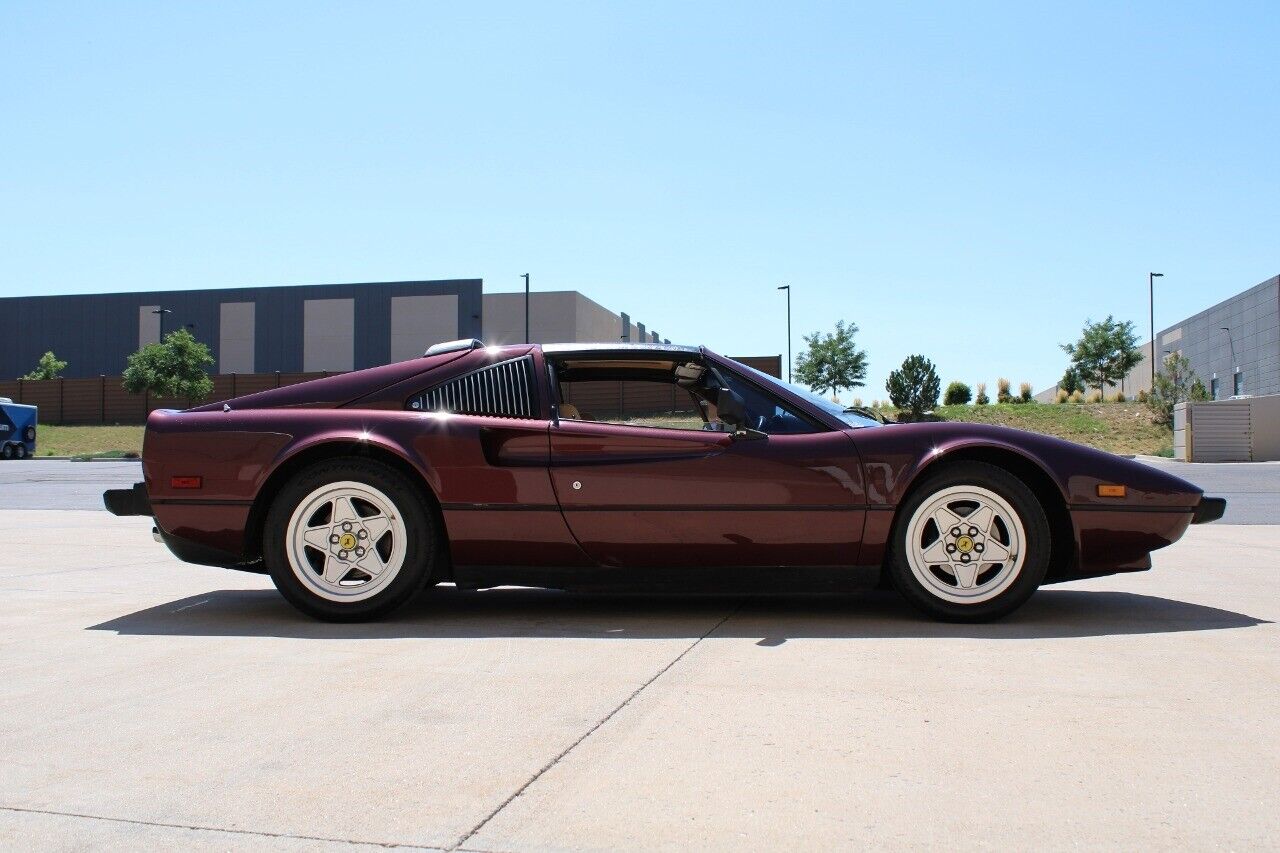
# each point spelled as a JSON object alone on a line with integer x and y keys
{"x": 1234, "y": 366}
{"x": 525, "y": 276}
{"x": 161, "y": 311}
{"x": 787, "y": 288}
{"x": 1151, "y": 308}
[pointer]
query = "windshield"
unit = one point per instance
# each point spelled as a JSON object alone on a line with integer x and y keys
{"x": 852, "y": 418}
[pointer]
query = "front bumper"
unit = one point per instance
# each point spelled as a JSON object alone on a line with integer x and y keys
{"x": 133, "y": 501}
{"x": 1209, "y": 509}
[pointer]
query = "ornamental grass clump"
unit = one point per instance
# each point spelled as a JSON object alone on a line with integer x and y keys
{"x": 982, "y": 399}
{"x": 1002, "y": 391}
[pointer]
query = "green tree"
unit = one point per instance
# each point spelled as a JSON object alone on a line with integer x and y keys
{"x": 1175, "y": 383}
{"x": 832, "y": 362}
{"x": 174, "y": 367}
{"x": 914, "y": 387}
{"x": 48, "y": 367}
{"x": 1106, "y": 351}
{"x": 1070, "y": 381}
{"x": 958, "y": 394}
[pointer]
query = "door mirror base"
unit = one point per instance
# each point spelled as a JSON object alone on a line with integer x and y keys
{"x": 747, "y": 434}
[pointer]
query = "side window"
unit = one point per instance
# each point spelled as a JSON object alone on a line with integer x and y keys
{"x": 630, "y": 402}
{"x": 764, "y": 412}
{"x": 506, "y": 390}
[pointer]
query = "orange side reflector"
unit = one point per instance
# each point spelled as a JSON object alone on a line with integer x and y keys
{"x": 186, "y": 482}
{"x": 1106, "y": 490}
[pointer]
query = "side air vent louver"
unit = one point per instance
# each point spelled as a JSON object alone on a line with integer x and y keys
{"x": 504, "y": 390}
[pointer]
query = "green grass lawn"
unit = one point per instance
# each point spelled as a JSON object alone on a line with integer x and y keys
{"x": 1124, "y": 428}
{"x": 87, "y": 440}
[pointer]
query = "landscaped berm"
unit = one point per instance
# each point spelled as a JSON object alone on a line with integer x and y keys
{"x": 1124, "y": 428}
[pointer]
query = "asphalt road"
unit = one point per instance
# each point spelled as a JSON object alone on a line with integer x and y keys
{"x": 148, "y": 703}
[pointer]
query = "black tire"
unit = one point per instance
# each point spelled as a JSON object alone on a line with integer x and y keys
{"x": 423, "y": 540}
{"x": 29, "y": 433}
{"x": 1036, "y": 551}
{"x": 6, "y": 452}
{"x": 19, "y": 451}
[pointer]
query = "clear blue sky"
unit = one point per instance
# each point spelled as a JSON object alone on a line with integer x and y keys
{"x": 969, "y": 183}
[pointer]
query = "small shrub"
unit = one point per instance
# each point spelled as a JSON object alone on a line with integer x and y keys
{"x": 1002, "y": 391}
{"x": 1063, "y": 396}
{"x": 1143, "y": 396}
{"x": 857, "y": 401}
{"x": 1118, "y": 397}
{"x": 1024, "y": 391}
{"x": 958, "y": 394}
{"x": 914, "y": 387}
{"x": 1077, "y": 397}
{"x": 1095, "y": 396}
{"x": 982, "y": 399}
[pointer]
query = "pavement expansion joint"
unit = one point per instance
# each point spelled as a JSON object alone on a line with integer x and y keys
{"x": 458, "y": 847}
{"x": 230, "y": 830}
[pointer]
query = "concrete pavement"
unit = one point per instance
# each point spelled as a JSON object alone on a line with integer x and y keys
{"x": 147, "y": 703}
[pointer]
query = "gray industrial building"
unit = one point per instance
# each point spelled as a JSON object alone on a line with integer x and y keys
{"x": 1233, "y": 347}
{"x": 292, "y": 329}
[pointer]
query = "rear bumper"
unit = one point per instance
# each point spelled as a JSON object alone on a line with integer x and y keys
{"x": 1209, "y": 509}
{"x": 134, "y": 501}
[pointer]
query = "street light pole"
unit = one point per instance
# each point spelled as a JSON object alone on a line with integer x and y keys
{"x": 1151, "y": 307}
{"x": 161, "y": 311}
{"x": 525, "y": 276}
{"x": 787, "y": 288}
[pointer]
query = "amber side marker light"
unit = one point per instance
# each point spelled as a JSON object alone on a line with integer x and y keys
{"x": 186, "y": 482}
{"x": 1106, "y": 490}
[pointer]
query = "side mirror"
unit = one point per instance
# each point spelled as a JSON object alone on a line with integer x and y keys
{"x": 731, "y": 408}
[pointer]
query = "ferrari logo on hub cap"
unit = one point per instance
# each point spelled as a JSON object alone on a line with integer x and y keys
{"x": 347, "y": 542}
{"x": 964, "y": 544}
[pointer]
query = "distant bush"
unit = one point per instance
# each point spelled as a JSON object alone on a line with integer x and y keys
{"x": 914, "y": 387}
{"x": 1002, "y": 391}
{"x": 1070, "y": 381}
{"x": 1077, "y": 397}
{"x": 857, "y": 401}
{"x": 1143, "y": 396}
{"x": 958, "y": 394}
{"x": 982, "y": 399}
{"x": 1024, "y": 391}
{"x": 1118, "y": 397}
{"x": 1095, "y": 396}
{"x": 1062, "y": 396}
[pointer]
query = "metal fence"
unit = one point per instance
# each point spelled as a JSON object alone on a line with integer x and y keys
{"x": 104, "y": 401}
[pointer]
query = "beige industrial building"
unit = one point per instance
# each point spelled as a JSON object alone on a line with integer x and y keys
{"x": 556, "y": 316}
{"x": 1233, "y": 347}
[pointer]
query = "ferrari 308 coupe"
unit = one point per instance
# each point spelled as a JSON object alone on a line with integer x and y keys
{"x": 640, "y": 466}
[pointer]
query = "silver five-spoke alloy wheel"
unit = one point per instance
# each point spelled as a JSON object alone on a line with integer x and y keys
{"x": 346, "y": 541}
{"x": 965, "y": 544}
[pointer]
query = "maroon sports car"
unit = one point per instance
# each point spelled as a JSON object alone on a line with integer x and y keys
{"x": 584, "y": 465}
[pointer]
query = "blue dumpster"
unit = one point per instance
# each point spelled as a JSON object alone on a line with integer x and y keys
{"x": 17, "y": 430}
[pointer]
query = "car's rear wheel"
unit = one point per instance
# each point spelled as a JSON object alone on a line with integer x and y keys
{"x": 350, "y": 540}
{"x": 971, "y": 544}
{"x": 19, "y": 451}
{"x": 6, "y": 452}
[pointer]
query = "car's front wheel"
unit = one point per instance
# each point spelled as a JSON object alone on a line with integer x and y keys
{"x": 349, "y": 540}
{"x": 970, "y": 544}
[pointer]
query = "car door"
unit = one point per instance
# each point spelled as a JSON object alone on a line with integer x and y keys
{"x": 637, "y": 496}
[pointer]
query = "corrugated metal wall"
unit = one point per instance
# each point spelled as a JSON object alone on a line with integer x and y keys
{"x": 1220, "y": 431}
{"x": 96, "y": 333}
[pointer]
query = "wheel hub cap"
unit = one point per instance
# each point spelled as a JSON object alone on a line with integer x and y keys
{"x": 346, "y": 541}
{"x": 965, "y": 544}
